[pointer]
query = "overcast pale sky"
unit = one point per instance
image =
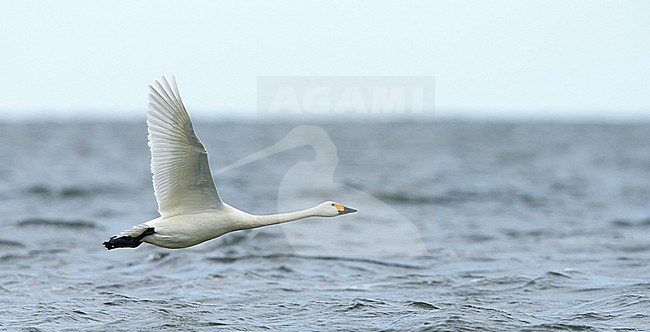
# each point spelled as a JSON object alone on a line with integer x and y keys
{"x": 584, "y": 59}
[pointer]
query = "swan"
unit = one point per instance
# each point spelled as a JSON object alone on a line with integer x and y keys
{"x": 191, "y": 211}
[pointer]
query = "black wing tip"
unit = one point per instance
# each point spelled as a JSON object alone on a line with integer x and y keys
{"x": 127, "y": 241}
{"x": 122, "y": 242}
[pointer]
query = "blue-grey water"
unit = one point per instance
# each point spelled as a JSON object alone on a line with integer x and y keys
{"x": 462, "y": 226}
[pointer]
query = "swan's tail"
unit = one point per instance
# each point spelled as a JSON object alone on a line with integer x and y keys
{"x": 127, "y": 241}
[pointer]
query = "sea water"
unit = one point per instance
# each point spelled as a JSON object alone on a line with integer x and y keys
{"x": 463, "y": 226}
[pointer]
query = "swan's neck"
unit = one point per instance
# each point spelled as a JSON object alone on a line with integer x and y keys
{"x": 273, "y": 219}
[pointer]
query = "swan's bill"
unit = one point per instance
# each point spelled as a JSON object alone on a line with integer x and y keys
{"x": 343, "y": 209}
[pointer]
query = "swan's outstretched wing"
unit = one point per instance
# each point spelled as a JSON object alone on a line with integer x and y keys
{"x": 182, "y": 180}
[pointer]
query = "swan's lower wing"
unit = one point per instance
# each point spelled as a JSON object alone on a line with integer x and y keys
{"x": 182, "y": 179}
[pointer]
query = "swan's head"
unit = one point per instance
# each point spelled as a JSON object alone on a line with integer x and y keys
{"x": 333, "y": 209}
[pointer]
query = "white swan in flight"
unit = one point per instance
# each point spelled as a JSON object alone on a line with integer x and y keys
{"x": 191, "y": 211}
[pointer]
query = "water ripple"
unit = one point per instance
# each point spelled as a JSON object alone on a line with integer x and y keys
{"x": 44, "y": 222}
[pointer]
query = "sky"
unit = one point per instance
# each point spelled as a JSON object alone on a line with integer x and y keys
{"x": 489, "y": 59}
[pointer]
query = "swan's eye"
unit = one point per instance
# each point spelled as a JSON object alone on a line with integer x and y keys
{"x": 333, "y": 204}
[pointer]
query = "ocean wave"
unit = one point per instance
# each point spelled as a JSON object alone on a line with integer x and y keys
{"x": 422, "y": 305}
{"x": 57, "y": 223}
{"x": 643, "y": 222}
{"x": 9, "y": 243}
{"x": 232, "y": 259}
{"x": 70, "y": 192}
{"x": 406, "y": 198}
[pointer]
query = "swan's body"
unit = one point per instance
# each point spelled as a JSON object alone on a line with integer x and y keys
{"x": 191, "y": 211}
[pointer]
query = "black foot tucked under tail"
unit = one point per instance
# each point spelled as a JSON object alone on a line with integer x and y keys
{"x": 127, "y": 241}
